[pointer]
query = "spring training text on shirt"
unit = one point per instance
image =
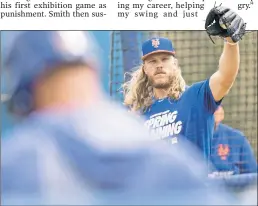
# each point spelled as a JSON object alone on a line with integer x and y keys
{"x": 164, "y": 124}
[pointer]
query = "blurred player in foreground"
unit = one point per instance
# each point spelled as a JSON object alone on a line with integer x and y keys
{"x": 231, "y": 151}
{"x": 157, "y": 89}
{"x": 74, "y": 147}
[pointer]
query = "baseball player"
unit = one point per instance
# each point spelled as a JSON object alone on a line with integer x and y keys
{"x": 74, "y": 147}
{"x": 157, "y": 89}
{"x": 231, "y": 151}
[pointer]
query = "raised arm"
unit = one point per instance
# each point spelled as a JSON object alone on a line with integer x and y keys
{"x": 227, "y": 24}
{"x": 222, "y": 80}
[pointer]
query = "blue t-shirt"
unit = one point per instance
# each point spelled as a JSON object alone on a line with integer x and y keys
{"x": 231, "y": 152}
{"x": 190, "y": 116}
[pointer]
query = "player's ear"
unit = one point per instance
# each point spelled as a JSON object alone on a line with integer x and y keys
{"x": 175, "y": 60}
{"x": 143, "y": 69}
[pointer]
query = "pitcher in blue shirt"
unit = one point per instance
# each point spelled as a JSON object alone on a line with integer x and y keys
{"x": 231, "y": 151}
{"x": 157, "y": 92}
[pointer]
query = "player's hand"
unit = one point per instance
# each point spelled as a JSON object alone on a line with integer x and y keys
{"x": 224, "y": 22}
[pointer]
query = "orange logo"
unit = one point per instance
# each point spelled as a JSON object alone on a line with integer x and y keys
{"x": 223, "y": 151}
{"x": 155, "y": 43}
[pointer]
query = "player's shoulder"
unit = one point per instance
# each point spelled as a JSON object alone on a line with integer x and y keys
{"x": 230, "y": 131}
{"x": 21, "y": 140}
{"x": 191, "y": 91}
{"x": 18, "y": 134}
{"x": 195, "y": 87}
{"x": 19, "y": 158}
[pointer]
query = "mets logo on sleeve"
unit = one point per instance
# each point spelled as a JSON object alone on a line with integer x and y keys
{"x": 223, "y": 151}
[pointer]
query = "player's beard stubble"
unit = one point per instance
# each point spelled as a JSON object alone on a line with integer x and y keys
{"x": 161, "y": 83}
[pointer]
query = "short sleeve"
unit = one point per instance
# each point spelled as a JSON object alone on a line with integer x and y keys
{"x": 205, "y": 96}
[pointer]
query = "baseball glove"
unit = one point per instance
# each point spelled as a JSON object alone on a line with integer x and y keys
{"x": 224, "y": 22}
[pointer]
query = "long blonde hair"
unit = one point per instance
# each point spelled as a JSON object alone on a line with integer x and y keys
{"x": 138, "y": 92}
